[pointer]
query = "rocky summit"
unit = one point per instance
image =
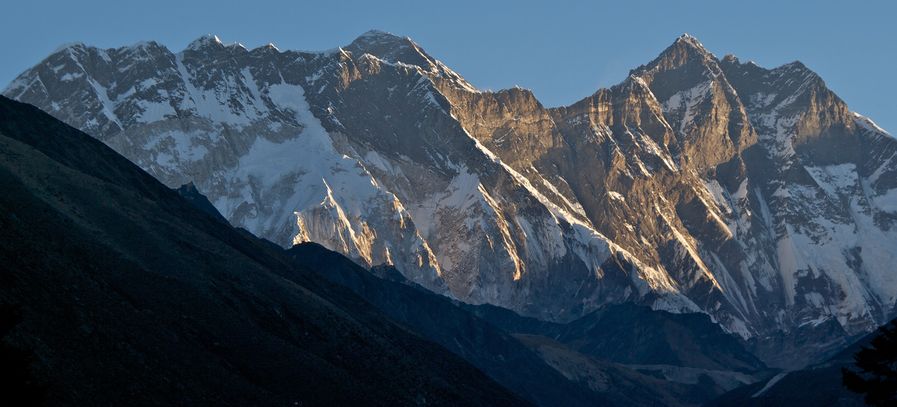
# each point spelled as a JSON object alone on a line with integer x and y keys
{"x": 697, "y": 184}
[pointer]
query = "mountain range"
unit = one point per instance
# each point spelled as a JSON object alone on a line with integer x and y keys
{"x": 696, "y": 185}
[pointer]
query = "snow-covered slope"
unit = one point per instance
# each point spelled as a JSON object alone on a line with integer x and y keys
{"x": 697, "y": 184}
{"x": 245, "y": 135}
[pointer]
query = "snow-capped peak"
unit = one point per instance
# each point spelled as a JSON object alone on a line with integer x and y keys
{"x": 380, "y": 42}
{"x": 375, "y": 34}
{"x": 868, "y": 124}
{"x": 685, "y": 50}
{"x": 689, "y": 39}
{"x": 391, "y": 48}
{"x": 65, "y": 46}
{"x": 204, "y": 41}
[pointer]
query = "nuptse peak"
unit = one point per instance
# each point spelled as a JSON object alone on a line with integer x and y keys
{"x": 696, "y": 185}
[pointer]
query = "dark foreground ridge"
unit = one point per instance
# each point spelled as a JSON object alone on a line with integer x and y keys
{"x": 131, "y": 296}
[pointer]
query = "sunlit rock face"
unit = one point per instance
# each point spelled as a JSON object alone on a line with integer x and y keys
{"x": 695, "y": 185}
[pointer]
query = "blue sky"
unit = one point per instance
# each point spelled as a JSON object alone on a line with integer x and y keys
{"x": 561, "y": 50}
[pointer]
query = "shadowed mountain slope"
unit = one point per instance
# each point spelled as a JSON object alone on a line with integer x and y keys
{"x": 130, "y": 295}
